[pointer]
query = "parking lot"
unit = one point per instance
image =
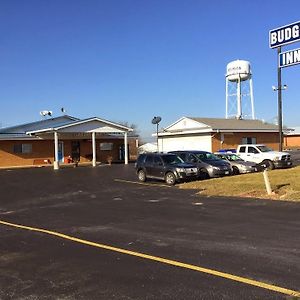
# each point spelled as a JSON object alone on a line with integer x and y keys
{"x": 96, "y": 233}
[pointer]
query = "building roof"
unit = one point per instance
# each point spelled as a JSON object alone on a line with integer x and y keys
{"x": 197, "y": 125}
{"x": 50, "y": 122}
{"x": 61, "y": 124}
{"x": 234, "y": 124}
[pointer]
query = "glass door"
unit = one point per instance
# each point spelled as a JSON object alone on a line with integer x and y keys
{"x": 75, "y": 151}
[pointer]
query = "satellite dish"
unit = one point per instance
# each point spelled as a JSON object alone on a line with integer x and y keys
{"x": 156, "y": 120}
{"x": 45, "y": 113}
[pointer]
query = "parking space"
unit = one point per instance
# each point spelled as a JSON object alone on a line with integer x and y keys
{"x": 104, "y": 212}
{"x": 295, "y": 154}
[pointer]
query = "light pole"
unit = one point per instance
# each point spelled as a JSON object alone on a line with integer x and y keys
{"x": 279, "y": 89}
{"x": 156, "y": 121}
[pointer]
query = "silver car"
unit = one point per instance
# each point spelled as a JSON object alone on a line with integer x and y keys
{"x": 239, "y": 166}
{"x": 209, "y": 165}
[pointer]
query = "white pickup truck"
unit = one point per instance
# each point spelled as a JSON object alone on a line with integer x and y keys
{"x": 263, "y": 155}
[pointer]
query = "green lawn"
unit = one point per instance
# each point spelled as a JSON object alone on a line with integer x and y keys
{"x": 285, "y": 184}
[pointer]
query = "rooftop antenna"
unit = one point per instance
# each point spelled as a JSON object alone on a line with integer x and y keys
{"x": 63, "y": 110}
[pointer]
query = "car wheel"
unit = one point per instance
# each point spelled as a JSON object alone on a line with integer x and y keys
{"x": 269, "y": 165}
{"x": 204, "y": 174}
{"x": 142, "y": 175}
{"x": 235, "y": 170}
{"x": 170, "y": 178}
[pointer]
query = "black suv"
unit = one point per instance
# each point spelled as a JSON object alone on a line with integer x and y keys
{"x": 167, "y": 167}
{"x": 209, "y": 165}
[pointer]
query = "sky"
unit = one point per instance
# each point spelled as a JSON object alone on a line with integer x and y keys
{"x": 131, "y": 60}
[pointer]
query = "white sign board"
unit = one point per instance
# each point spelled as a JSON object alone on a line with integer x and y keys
{"x": 284, "y": 35}
{"x": 289, "y": 58}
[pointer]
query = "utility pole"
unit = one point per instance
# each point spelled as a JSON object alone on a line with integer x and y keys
{"x": 279, "y": 96}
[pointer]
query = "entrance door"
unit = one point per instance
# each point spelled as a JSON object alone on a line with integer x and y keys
{"x": 122, "y": 152}
{"x": 75, "y": 151}
{"x": 61, "y": 152}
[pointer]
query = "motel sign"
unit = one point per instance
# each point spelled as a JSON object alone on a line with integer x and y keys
{"x": 279, "y": 37}
{"x": 289, "y": 58}
{"x": 284, "y": 35}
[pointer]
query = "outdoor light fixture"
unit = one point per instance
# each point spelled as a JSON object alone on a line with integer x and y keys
{"x": 156, "y": 121}
{"x": 284, "y": 87}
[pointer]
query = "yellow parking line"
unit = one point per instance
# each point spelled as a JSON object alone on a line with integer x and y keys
{"x": 161, "y": 260}
{"x": 141, "y": 183}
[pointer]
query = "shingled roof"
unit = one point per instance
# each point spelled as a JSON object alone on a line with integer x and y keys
{"x": 233, "y": 124}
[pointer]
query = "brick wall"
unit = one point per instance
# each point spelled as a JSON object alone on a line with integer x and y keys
{"x": 40, "y": 150}
{"x": 231, "y": 140}
{"x": 44, "y": 150}
{"x": 292, "y": 141}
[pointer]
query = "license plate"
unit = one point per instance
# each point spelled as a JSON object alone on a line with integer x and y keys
{"x": 226, "y": 172}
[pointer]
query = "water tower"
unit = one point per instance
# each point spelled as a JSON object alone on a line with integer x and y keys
{"x": 239, "y": 90}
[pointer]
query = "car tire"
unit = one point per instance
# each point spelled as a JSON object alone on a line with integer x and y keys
{"x": 142, "y": 176}
{"x": 204, "y": 174}
{"x": 170, "y": 178}
{"x": 235, "y": 170}
{"x": 269, "y": 165}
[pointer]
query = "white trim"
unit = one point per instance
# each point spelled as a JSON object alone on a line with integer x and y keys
{"x": 50, "y": 129}
{"x": 182, "y": 118}
{"x": 95, "y": 119}
{"x": 119, "y": 128}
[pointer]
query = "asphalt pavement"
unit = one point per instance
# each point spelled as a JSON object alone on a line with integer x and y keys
{"x": 295, "y": 155}
{"x": 81, "y": 222}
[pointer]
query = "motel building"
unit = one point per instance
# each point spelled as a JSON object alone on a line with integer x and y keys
{"x": 64, "y": 140}
{"x": 292, "y": 138}
{"x": 214, "y": 134}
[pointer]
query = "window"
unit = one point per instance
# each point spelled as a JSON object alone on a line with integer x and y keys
{"x": 243, "y": 149}
{"x": 157, "y": 161}
{"x": 22, "y": 148}
{"x": 171, "y": 159}
{"x": 106, "y": 146}
{"x": 149, "y": 159}
{"x": 264, "y": 148}
{"x": 252, "y": 150}
{"x": 192, "y": 158}
{"x": 249, "y": 140}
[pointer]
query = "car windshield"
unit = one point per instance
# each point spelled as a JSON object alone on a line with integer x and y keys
{"x": 172, "y": 159}
{"x": 205, "y": 156}
{"x": 264, "y": 148}
{"x": 233, "y": 157}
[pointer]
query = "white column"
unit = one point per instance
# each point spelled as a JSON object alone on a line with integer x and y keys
{"x": 56, "y": 163}
{"x": 94, "y": 148}
{"x": 125, "y": 148}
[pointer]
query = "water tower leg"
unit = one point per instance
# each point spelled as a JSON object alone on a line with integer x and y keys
{"x": 239, "y": 99}
{"x": 252, "y": 99}
{"x": 226, "y": 98}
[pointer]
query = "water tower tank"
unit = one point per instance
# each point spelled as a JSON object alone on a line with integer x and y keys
{"x": 238, "y": 70}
